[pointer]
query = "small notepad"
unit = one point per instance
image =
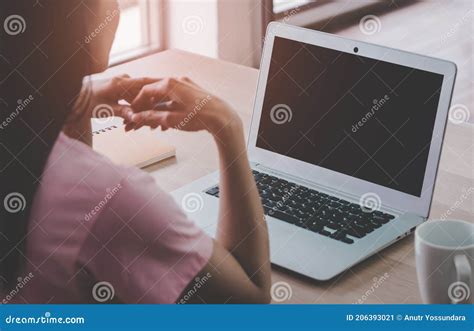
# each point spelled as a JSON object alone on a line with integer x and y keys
{"x": 138, "y": 148}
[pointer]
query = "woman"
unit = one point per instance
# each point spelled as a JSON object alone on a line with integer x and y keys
{"x": 75, "y": 224}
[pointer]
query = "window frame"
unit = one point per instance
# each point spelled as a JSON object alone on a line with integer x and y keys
{"x": 152, "y": 29}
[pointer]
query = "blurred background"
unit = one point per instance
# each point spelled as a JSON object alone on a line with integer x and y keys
{"x": 233, "y": 30}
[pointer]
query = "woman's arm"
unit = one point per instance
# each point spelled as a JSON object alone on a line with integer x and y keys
{"x": 239, "y": 266}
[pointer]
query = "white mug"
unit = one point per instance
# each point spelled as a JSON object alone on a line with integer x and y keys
{"x": 444, "y": 252}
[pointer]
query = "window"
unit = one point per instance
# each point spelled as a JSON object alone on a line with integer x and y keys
{"x": 328, "y": 15}
{"x": 139, "y": 30}
{"x": 280, "y": 6}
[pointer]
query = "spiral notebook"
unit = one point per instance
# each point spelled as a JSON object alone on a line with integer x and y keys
{"x": 138, "y": 148}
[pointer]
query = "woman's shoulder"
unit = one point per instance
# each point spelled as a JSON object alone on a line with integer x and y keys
{"x": 77, "y": 177}
{"x": 74, "y": 163}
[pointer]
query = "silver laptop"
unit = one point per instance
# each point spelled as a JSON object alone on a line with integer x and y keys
{"x": 344, "y": 144}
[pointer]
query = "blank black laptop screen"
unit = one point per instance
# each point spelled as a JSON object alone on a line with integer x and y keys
{"x": 362, "y": 117}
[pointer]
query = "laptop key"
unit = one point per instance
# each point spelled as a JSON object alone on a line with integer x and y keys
{"x": 379, "y": 219}
{"x": 281, "y": 215}
{"x": 325, "y": 232}
{"x": 338, "y": 234}
{"x": 213, "y": 190}
{"x": 355, "y": 233}
{"x": 346, "y": 240}
{"x": 333, "y": 225}
{"x": 376, "y": 225}
{"x": 281, "y": 207}
{"x": 314, "y": 226}
{"x": 270, "y": 204}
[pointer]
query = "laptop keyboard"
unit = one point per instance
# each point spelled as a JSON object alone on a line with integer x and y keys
{"x": 313, "y": 210}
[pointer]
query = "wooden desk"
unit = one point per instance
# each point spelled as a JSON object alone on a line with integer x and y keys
{"x": 197, "y": 156}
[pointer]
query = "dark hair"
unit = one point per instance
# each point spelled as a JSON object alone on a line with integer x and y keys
{"x": 42, "y": 64}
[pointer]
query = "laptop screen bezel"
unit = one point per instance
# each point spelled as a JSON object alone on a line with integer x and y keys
{"x": 354, "y": 186}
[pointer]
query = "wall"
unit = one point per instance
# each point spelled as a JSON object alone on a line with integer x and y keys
{"x": 225, "y": 29}
{"x": 191, "y": 25}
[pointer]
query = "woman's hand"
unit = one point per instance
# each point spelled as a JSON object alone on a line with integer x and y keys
{"x": 180, "y": 104}
{"x": 100, "y": 99}
{"x": 109, "y": 92}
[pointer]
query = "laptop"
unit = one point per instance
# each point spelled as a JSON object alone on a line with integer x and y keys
{"x": 344, "y": 143}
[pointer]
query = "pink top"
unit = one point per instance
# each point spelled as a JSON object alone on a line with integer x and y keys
{"x": 100, "y": 232}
